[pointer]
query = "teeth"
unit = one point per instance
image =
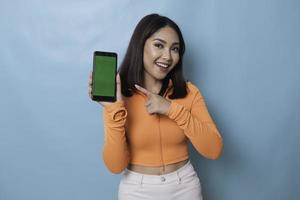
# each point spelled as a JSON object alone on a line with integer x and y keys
{"x": 162, "y": 65}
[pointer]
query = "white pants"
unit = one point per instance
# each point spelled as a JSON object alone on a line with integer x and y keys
{"x": 182, "y": 184}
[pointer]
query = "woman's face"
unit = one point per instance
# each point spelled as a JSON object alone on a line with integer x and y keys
{"x": 161, "y": 53}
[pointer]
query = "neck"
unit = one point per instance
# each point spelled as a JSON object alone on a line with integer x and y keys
{"x": 152, "y": 85}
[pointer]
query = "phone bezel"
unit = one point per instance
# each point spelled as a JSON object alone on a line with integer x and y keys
{"x": 104, "y": 98}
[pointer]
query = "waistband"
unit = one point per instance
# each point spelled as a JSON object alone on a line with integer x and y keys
{"x": 185, "y": 170}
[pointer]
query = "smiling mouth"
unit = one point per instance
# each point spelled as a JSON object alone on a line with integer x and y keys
{"x": 162, "y": 66}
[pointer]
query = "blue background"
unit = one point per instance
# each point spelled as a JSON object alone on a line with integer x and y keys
{"x": 243, "y": 55}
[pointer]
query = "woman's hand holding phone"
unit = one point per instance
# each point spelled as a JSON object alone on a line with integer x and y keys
{"x": 118, "y": 92}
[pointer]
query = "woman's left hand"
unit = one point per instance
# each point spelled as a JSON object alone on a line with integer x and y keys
{"x": 155, "y": 103}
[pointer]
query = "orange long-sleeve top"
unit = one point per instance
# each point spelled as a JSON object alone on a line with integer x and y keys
{"x": 132, "y": 135}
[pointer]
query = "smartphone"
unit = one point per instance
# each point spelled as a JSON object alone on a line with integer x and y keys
{"x": 104, "y": 76}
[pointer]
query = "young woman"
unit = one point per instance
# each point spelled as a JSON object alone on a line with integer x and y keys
{"x": 156, "y": 113}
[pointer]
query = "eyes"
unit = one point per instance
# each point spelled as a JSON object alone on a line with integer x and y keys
{"x": 161, "y": 46}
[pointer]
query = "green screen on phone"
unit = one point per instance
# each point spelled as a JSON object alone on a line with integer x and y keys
{"x": 104, "y": 75}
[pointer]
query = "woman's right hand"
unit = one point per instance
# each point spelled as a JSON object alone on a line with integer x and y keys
{"x": 118, "y": 92}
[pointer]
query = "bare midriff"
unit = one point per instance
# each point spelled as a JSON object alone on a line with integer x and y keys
{"x": 157, "y": 170}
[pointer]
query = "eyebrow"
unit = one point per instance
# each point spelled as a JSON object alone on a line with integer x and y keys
{"x": 174, "y": 43}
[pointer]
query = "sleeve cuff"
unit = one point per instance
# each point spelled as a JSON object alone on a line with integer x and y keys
{"x": 174, "y": 110}
{"x": 116, "y": 111}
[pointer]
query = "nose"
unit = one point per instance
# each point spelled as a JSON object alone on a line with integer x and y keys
{"x": 167, "y": 55}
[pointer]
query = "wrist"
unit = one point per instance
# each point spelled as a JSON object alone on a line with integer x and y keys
{"x": 167, "y": 107}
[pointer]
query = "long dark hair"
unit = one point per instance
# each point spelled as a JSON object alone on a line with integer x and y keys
{"x": 132, "y": 68}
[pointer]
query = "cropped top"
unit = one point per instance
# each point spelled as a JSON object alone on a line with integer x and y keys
{"x": 132, "y": 135}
